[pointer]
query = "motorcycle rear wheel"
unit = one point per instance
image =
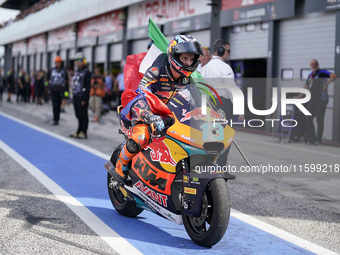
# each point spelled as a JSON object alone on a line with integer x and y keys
{"x": 209, "y": 228}
{"x": 123, "y": 205}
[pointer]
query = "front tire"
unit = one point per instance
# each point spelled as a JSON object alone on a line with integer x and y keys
{"x": 209, "y": 228}
{"x": 123, "y": 205}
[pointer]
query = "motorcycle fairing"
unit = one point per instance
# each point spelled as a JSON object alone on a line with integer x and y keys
{"x": 155, "y": 207}
{"x": 165, "y": 154}
{"x": 151, "y": 175}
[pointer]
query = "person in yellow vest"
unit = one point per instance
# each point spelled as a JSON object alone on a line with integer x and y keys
{"x": 97, "y": 93}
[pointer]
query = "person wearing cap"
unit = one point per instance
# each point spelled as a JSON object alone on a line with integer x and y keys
{"x": 58, "y": 83}
{"x": 81, "y": 95}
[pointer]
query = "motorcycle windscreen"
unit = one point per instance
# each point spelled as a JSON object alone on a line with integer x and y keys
{"x": 199, "y": 123}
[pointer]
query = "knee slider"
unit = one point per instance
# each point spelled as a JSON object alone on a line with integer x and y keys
{"x": 132, "y": 147}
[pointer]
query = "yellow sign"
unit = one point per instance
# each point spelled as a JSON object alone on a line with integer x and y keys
{"x": 189, "y": 191}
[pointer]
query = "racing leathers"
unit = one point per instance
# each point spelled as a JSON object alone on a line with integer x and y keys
{"x": 144, "y": 106}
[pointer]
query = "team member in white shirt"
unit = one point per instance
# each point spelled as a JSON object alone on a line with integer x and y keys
{"x": 219, "y": 74}
{"x": 204, "y": 59}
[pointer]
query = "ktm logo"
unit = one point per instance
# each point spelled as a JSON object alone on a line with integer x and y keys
{"x": 149, "y": 174}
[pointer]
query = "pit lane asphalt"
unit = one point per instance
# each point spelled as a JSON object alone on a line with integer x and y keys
{"x": 305, "y": 205}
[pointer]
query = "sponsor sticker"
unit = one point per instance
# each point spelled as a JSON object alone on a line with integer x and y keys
{"x": 189, "y": 190}
{"x": 186, "y": 179}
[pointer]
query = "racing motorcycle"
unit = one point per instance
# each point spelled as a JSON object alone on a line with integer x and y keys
{"x": 175, "y": 176}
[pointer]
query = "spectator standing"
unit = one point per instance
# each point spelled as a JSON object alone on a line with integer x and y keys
{"x": 109, "y": 80}
{"x": 21, "y": 86}
{"x": 32, "y": 87}
{"x": 27, "y": 89}
{"x": 217, "y": 71}
{"x": 204, "y": 59}
{"x": 70, "y": 74}
{"x": 39, "y": 86}
{"x": 81, "y": 95}
{"x": 97, "y": 93}
{"x": 58, "y": 82}
{"x": 65, "y": 96}
{"x": 317, "y": 83}
{"x": 119, "y": 87}
{"x": 10, "y": 83}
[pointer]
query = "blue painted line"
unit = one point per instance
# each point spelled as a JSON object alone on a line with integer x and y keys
{"x": 83, "y": 176}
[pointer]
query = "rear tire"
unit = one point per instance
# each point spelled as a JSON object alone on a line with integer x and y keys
{"x": 123, "y": 205}
{"x": 209, "y": 228}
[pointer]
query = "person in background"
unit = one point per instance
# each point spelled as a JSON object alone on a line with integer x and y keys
{"x": 58, "y": 83}
{"x": 32, "y": 86}
{"x": 217, "y": 71}
{"x": 317, "y": 83}
{"x": 109, "y": 80}
{"x": 97, "y": 93}
{"x": 81, "y": 95}
{"x": 10, "y": 83}
{"x": 65, "y": 97}
{"x": 70, "y": 74}
{"x": 39, "y": 86}
{"x": 119, "y": 86}
{"x": 27, "y": 90}
{"x": 21, "y": 86}
{"x": 204, "y": 59}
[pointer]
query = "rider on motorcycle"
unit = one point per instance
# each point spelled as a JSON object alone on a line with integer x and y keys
{"x": 143, "y": 106}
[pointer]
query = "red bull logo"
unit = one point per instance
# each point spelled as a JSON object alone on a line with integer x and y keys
{"x": 196, "y": 114}
{"x": 125, "y": 131}
{"x": 214, "y": 115}
{"x": 160, "y": 152}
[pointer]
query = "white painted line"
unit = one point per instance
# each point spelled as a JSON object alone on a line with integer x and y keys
{"x": 281, "y": 233}
{"x": 234, "y": 213}
{"x": 318, "y": 152}
{"x": 114, "y": 240}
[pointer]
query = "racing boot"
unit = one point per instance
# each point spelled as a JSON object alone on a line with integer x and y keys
{"x": 141, "y": 134}
{"x": 121, "y": 171}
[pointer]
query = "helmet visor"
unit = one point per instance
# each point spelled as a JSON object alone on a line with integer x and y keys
{"x": 186, "y": 47}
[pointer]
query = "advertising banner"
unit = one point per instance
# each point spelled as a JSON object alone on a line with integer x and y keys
{"x": 235, "y": 12}
{"x": 64, "y": 36}
{"x": 106, "y": 27}
{"x": 175, "y": 15}
{"x": 321, "y": 5}
{"x": 36, "y": 43}
{"x": 19, "y": 47}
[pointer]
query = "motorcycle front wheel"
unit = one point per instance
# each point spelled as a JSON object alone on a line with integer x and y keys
{"x": 209, "y": 228}
{"x": 123, "y": 205}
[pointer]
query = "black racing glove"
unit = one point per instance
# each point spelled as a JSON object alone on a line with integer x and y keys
{"x": 154, "y": 121}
